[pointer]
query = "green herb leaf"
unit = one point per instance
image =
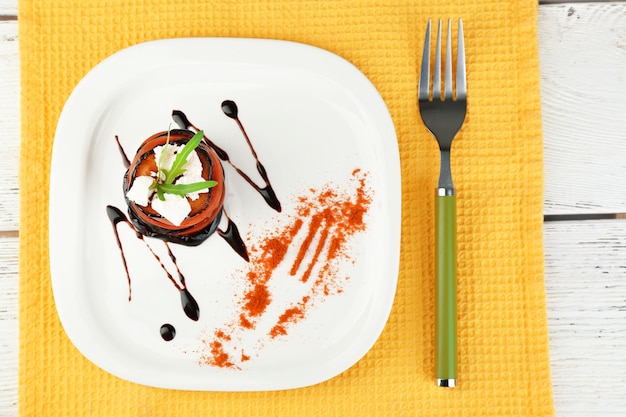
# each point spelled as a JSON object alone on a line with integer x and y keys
{"x": 167, "y": 142}
{"x": 184, "y": 189}
{"x": 181, "y": 157}
{"x": 164, "y": 182}
{"x": 160, "y": 194}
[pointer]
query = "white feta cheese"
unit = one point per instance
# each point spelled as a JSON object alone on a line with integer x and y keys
{"x": 140, "y": 192}
{"x": 165, "y": 156}
{"x": 175, "y": 208}
{"x": 193, "y": 166}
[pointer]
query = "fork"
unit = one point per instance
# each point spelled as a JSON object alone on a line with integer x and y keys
{"x": 443, "y": 115}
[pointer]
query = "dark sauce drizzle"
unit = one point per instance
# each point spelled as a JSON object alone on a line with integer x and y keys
{"x": 231, "y": 234}
{"x": 124, "y": 157}
{"x": 230, "y": 109}
{"x": 189, "y": 304}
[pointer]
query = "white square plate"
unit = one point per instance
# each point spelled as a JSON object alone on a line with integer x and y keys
{"x": 317, "y": 124}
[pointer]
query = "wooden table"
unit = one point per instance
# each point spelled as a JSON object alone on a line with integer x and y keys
{"x": 583, "y": 83}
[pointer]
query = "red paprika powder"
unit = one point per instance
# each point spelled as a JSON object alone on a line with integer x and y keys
{"x": 326, "y": 218}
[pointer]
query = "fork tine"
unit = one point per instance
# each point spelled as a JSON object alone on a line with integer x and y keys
{"x": 425, "y": 69}
{"x": 448, "y": 80}
{"x": 437, "y": 71}
{"x": 461, "y": 87}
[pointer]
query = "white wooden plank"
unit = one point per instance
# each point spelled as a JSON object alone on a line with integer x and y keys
{"x": 9, "y": 126}
{"x": 583, "y": 62}
{"x": 586, "y": 297}
{"x": 8, "y": 7}
{"x": 9, "y": 212}
{"x": 8, "y": 326}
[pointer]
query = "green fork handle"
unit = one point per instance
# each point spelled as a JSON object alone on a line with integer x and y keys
{"x": 445, "y": 291}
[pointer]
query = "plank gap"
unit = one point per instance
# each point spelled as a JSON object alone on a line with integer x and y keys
{"x": 577, "y": 1}
{"x": 9, "y": 234}
{"x": 7, "y": 17}
{"x": 588, "y": 216}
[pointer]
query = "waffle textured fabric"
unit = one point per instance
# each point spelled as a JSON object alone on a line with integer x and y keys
{"x": 498, "y": 170}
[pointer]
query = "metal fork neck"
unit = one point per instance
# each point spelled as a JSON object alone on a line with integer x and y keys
{"x": 445, "y": 187}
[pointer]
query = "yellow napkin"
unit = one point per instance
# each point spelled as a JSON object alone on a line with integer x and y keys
{"x": 497, "y": 163}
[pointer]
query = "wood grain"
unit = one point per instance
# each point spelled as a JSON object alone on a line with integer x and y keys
{"x": 583, "y": 62}
{"x": 8, "y": 326}
{"x": 8, "y": 8}
{"x": 586, "y": 293}
{"x": 9, "y": 126}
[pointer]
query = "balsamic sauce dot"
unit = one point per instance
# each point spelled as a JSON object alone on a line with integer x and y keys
{"x": 168, "y": 332}
{"x": 230, "y": 109}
